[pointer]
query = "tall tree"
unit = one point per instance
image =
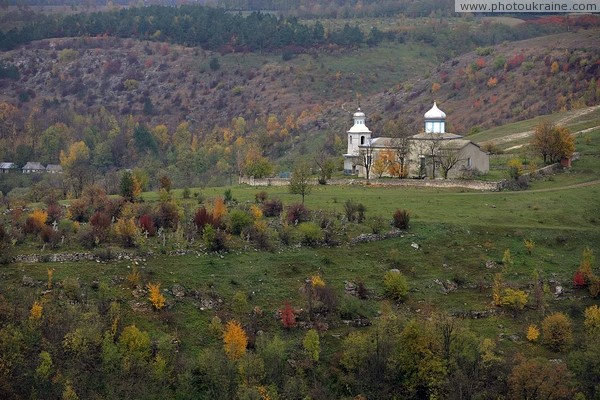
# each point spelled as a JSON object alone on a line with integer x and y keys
{"x": 300, "y": 180}
{"x": 553, "y": 142}
{"x": 76, "y": 165}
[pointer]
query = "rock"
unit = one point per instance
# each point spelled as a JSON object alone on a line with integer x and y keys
{"x": 558, "y": 291}
{"x": 95, "y": 284}
{"x": 490, "y": 264}
{"x": 178, "y": 290}
{"x": 395, "y": 270}
{"x": 415, "y": 246}
{"x": 28, "y": 281}
{"x": 351, "y": 288}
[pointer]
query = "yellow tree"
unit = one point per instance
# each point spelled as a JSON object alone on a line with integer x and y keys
{"x": 156, "y": 297}
{"x": 76, "y": 164}
{"x": 235, "y": 340}
{"x": 553, "y": 142}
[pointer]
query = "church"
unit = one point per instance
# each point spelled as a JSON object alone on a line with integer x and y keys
{"x": 433, "y": 153}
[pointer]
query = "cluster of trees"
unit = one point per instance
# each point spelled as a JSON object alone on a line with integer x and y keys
{"x": 91, "y": 148}
{"x": 209, "y": 28}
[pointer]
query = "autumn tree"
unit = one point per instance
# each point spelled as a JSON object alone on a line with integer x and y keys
{"x": 553, "y": 142}
{"x": 300, "y": 182}
{"x": 383, "y": 162}
{"x": 557, "y": 331}
{"x": 156, "y": 297}
{"x": 311, "y": 345}
{"x": 76, "y": 165}
{"x": 288, "y": 318}
{"x": 326, "y": 166}
{"x": 235, "y": 340}
{"x": 538, "y": 379}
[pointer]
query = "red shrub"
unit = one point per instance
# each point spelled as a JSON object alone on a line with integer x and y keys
{"x": 100, "y": 221}
{"x": 288, "y": 317}
{"x": 579, "y": 279}
{"x": 401, "y": 219}
{"x": 272, "y": 208}
{"x": 297, "y": 213}
{"x": 147, "y": 224}
{"x": 203, "y": 218}
{"x": 55, "y": 213}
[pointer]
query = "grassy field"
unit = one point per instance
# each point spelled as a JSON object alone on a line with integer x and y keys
{"x": 461, "y": 237}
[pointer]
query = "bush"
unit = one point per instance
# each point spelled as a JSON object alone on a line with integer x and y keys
{"x": 100, "y": 221}
{"x": 261, "y": 197}
{"x": 297, "y": 214}
{"x": 311, "y": 233}
{"x": 167, "y": 215}
{"x": 286, "y": 234}
{"x": 49, "y": 235}
{"x": 401, "y": 219}
{"x": 87, "y": 237}
{"x": 259, "y": 234}
{"x": 377, "y": 224}
{"x": 272, "y": 208}
{"x": 557, "y": 331}
{"x": 55, "y": 213}
{"x": 202, "y": 218}
{"x": 228, "y": 196}
{"x": 396, "y": 285}
{"x": 186, "y": 193}
{"x": 147, "y": 224}
{"x": 238, "y": 220}
{"x": 214, "y": 239}
{"x": 354, "y": 211}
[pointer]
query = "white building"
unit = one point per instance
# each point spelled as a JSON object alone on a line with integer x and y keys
{"x": 432, "y": 153}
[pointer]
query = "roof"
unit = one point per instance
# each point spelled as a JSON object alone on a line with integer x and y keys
{"x": 7, "y": 165}
{"x": 33, "y": 166}
{"x": 457, "y": 144}
{"x": 54, "y": 167}
{"x": 359, "y": 113}
{"x": 432, "y": 136}
{"x": 435, "y": 113}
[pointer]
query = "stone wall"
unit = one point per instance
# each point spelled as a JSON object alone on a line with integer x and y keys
{"x": 437, "y": 183}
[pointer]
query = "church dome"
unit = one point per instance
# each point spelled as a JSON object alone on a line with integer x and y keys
{"x": 435, "y": 113}
{"x": 359, "y": 113}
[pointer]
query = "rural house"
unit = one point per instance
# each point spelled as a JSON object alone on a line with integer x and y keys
{"x": 6, "y": 167}
{"x": 54, "y": 169}
{"x": 33, "y": 167}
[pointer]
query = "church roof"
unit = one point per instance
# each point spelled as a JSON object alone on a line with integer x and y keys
{"x": 359, "y": 113}
{"x": 457, "y": 144}
{"x": 431, "y": 136}
{"x": 435, "y": 113}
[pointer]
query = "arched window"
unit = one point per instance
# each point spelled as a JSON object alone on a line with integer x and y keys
{"x": 350, "y": 139}
{"x": 362, "y": 140}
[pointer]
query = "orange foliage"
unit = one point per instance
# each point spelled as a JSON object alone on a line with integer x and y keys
{"x": 39, "y": 218}
{"x": 219, "y": 210}
{"x": 435, "y": 87}
{"x": 492, "y": 82}
{"x": 235, "y": 340}
{"x": 156, "y": 297}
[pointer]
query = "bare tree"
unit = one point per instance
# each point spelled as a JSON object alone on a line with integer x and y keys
{"x": 326, "y": 166}
{"x": 365, "y": 157}
{"x": 400, "y": 143}
{"x": 448, "y": 157}
{"x": 429, "y": 148}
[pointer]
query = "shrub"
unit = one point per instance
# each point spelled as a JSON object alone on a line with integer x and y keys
{"x": 167, "y": 215}
{"x": 214, "y": 239}
{"x": 288, "y": 317}
{"x": 87, "y": 237}
{"x": 311, "y": 233}
{"x": 286, "y": 234}
{"x": 228, "y": 196}
{"x": 55, "y": 213}
{"x": 156, "y": 297}
{"x": 401, "y": 219}
{"x": 259, "y": 234}
{"x": 238, "y": 220}
{"x": 297, "y": 213}
{"x": 272, "y": 208}
{"x": 514, "y": 299}
{"x": 261, "y": 197}
{"x": 126, "y": 230}
{"x": 377, "y": 224}
{"x": 100, "y": 221}
{"x": 396, "y": 285}
{"x": 202, "y": 218}
{"x": 354, "y": 211}
{"x": 147, "y": 224}
{"x": 49, "y": 235}
{"x": 186, "y": 193}
{"x": 533, "y": 333}
{"x": 557, "y": 331}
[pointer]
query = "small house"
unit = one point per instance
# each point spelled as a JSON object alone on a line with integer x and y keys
{"x": 33, "y": 167}
{"x": 6, "y": 167}
{"x": 54, "y": 169}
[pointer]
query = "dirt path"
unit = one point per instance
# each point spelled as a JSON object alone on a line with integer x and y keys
{"x": 577, "y": 185}
{"x": 562, "y": 121}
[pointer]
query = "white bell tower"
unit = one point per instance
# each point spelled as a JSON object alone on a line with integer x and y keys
{"x": 358, "y": 135}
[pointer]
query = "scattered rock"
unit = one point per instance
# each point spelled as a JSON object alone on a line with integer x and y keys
{"x": 178, "y": 290}
{"x": 351, "y": 288}
{"x": 490, "y": 264}
{"x": 357, "y": 322}
{"x": 28, "y": 281}
{"x": 447, "y": 285}
{"x": 558, "y": 291}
